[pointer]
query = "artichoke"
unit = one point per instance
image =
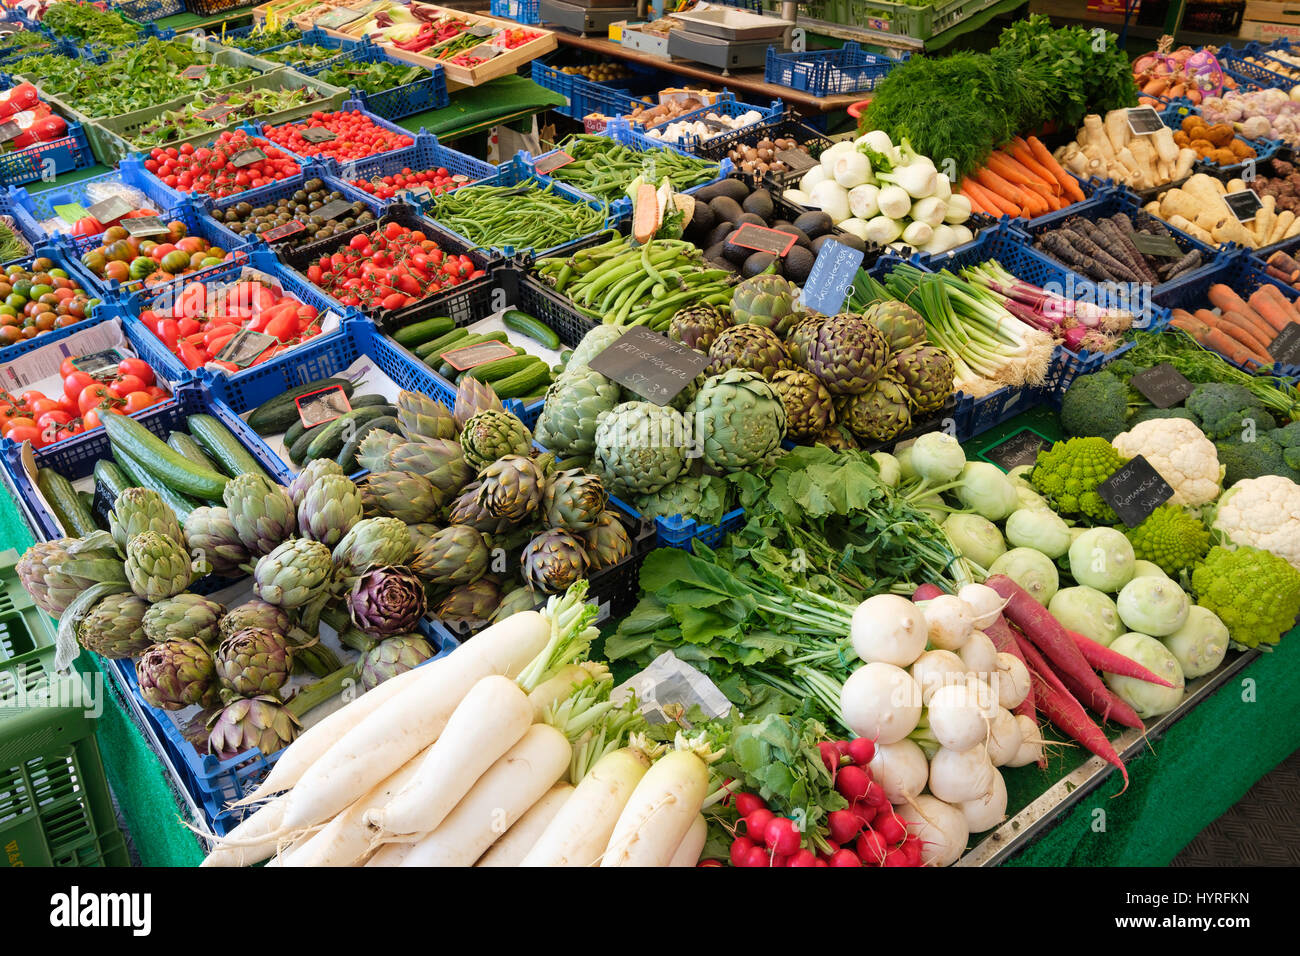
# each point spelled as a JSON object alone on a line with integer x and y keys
{"x": 881, "y": 413}
{"x": 520, "y": 599}
{"x": 809, "y": 409}
{"x": 213, "y": 542}
{"x": 640, "y": 447}
{"x": 261, "y": 511}
{"x": 511, "y": 487}
{"x": 185, "y": 617}
{"x": 393, "y": 656}
{"x": 702, "y": 497}
{"x": 739, "y": 420}
{"x": 767, "y": 301}
{"x": 472, "y": 397}
{"x": 847, "y": 354}
{"x": 255, "y": 614}
{"x": 177, "y": 674}
{"x": 157, "y": 566}
{"x": 466, "y": 510}
{"x": 114, "y": 627}
{"x": 927, "y": 373}
{"x": 900, "y": 324}
{"x": 386, "y": 601}
{"x": 312, "y": 471}
{"x": 55, "y": 572}
{"x": 419, "y": 416}
{"x": 142, "y": 509}
{"x": 253, "y": 661}
{"x": 295, "y": 573}
{"x": 491, "y": 435}
{"x": 606, "y": 543}
{"x": 697, "y": 326}
{"x": 409, "y": 498}
{"x": 592, "y": 344}
{"x": 455, "y": 555}
{"x": 751, "y": 347}
{"x": 372, "y": 453}
{"x": 439, "y": 460}
{"x": 801, "y": 338}
{"x": 263, "y": 723}
{"x": 836, "y": 438}
{"x": 329, "y": 509}
{"x": 574, "y": 500}
{"x": 567, "y": 425}
{"x": 554, "y": 560}
{"x": 471, "y": 604}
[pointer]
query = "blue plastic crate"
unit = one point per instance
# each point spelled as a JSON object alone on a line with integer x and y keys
{"x": 45, "y": 161}
{"x": 427, "y": 93}
{"x": 316, "y": 37}
{"x": 425, "y": 153}
{"x": 214, "y": 784}
{"x": 97, "y": 313}
{"x": 1264, "y": 148}
{"x": 349, "y": 106}
{"x": 284, "y": 188}
{"x": 587, "y": 97}
{"x": 520, "y": 11}
{"x": 146, "y": 11}
{"x": 11, "y": 205}
{"x": 725, "y": 105}
{"x": 849, "y": 69}
{"x": 237, "y": 37}
{"x": 1249, "y": 73}
{"x": 554, "y": 79}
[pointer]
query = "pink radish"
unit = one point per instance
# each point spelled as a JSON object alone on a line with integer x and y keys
{"x": 756, "y": 824}
{"x": 781, "y": 836}
{"x": 803, "y": 858}
{"x": 843, "y": 857}
{"x": 844, "y": 825}
{"x": 860, "y": 750}
{"x": 830, "y": 756}
{"x": 740, "y": 848}
{"x": 758, "y": 856}
{"x": 890, "y": 828}
{"x": 852, "y": 783}
{"x": 896, "y": 857}
{"x": 872, "y": 848}
{"x": 747, "y": 803}
{"x": 1104, "y": 659}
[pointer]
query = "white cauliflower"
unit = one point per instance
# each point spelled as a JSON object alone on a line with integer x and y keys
{"x": 1180, "y": 453}
{"x": 1263, "y": 513}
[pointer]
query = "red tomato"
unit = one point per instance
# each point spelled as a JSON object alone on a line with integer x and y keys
{"x": 137, "y": 367}
{"x": 127, "y": 384}
{"x": 75, "y": 383}
{"x": 22, "y": 433}
{"x": 136, "y": 401}
{"x": 91, "y": 419}
{"x": 93, "y": 395}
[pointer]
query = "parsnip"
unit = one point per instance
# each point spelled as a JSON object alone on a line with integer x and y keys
{"x": 1280, "y": 225}
{"x": 1186, "y": 159}
{"x": 1165, "y": 146}
{"x": 1262, "y": 226}
{"x": 1099, "y": 137}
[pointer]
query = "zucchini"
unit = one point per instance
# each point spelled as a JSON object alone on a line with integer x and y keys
{"x": 525, "y": 324}
{"x": 185, "y": 444}
{"x": 170, "y": 467}
{"x": 70, "y": 511}
{"x": 363, "y": 401}
{"x": 139, "y": 476}
{"x": 277, "y": 414}
{"x": 329, "y": 442}
{"x": 525, "y": 382}
{"x": 428, "y": 348}
{"x": 108, "y": 474}
{"x": 502, "y": 368}
{"x": 221, "y": 444}
{"x": 348, "y": 456}
{"x": 297, "y": 429}
{"x": 421, "y": 332}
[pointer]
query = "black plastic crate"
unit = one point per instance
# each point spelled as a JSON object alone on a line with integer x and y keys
{"x": 210, "y": 8}
{"x": 790, "y": 124}
{"x": 542, "y": 302}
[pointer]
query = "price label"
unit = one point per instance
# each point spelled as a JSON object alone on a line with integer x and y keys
{"x": 418, "y": 192}
{"x": 796, "y": 160}
{"x": 318, "y": 134}
{"x": 111, "y": 210}
{"x": 247, "y": 157}
{"x": 378, "y": 182}
{"x": 339, "y": 17}
{"x": 1134, "y": 491}
{"x": 9, "y": 130}
{"x": 194, "y": 72}
{"x": 474, "y": 355}
{"x": 1022, "y": 448}
{"x": 244, "y": 347}
{"x": 1162, "y": 385}
{"x": 71, "y": 212}
{"x": 1243, "y": 204}
{"x": 551, "y": 162}
{"x": 763, "y": 239}
{"x": 332, "y": 210}
{"x": 317, "y": 408}
{"x": 650, "y": 364}
{"x": 215, "y": 113}
{"x": 481, "y": 30}
{"x": 145, "y": 226}
{"x": 831, "y": 278}
{"x": 276, "y": 233}
{"x": 1149, "y": 245}
{"x": 1285, "y": 349}
{"x": 1144, "y": 120}
{"x": 98, "y": 364}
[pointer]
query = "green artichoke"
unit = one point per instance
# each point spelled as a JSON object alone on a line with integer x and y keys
{"x": 472, "y": 397}
{"x": 927, "y": 373}
{"x": 114, "y": 627}
{"x": 409, "y": 498}
{"x": 511, "y": 487}
{"x": 253, "y": 661}
{"x": 881, "y": 413}
{"x": 419, "y": 416}
{"x": 767, "y": 301}
{"x": 454, "y": 555}
{"x": 439, "y": 460}
{"x": 213, "y": 542}
{"x": 554, "y": 560}
{"x": 393, "y": 656}
{"x": 261, "y": 512}
{"x": 421, "y": 533}
{"x": 157, "y": 566}
{"x": 255, "y": 614}
{"x": 372, "y": 454}
{"x": 567, "y": 425}
{"x": 185, "y": 617}
{"x": 466, "y": 510}
{"x": 592, "y": 344}
{"x": 177, "y": 674}
{"x": 900, "y": 324}
{"x": 752, "y": 347}
{"x": 640, "y": 447}
{"x": 310, "y": 473}
{"x": 472, "y": 604}
{"x": 702, "y": 497}
{"x": 739, "y": 420}
{"x": 142, "y": 509}
{"x": 520, "y": 599}
{"x": 836, "y": 438}
{"x": 573, "y": 500}
{"x": 697, "y": 326}
{"x": 295, "y": 573}
{"x": 847, "y": 354}
{"x": 809, "y": 408}
{"x": 491, "y": 435}
{"x": 261, "y": 723}
{"x": 605, "y": 543}
{"x": 329, "y": 509}
{"x": 55, "y": 572}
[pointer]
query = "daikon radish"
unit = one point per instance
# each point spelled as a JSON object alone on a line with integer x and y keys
{"x": 564, "y": 684}
{"x": 660, "y": 812}
{"x": 391, "y": 854}
{"x": 490, "y": 720}
{"x": 581, "y": 830}
{"x": 250, "y": 849}
{"x": 511, "y": 849}
{"x": 497, "y": 801}
{"x": 692, "y": 845}
{"x": 345, "y": 841}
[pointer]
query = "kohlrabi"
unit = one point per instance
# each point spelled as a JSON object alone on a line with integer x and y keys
{"x": 1032, "y": 570}
{"x": 1149, "y": 700}
{"x": 1102, "y": 558}
{"x": 1087, "y": 611}
{"x": 1152, "y": 605}
{"x": 1040, "y": 529}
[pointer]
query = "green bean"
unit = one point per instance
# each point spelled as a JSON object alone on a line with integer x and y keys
{"x": 499, "y": 216}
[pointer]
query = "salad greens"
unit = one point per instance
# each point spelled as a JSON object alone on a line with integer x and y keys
{"x": 308, "y": 54}
{"x": 263, "y": 39}
{"x": 372, "y": 77}
{"x": 88, "y": 24}
{"x": 185, "y": 122}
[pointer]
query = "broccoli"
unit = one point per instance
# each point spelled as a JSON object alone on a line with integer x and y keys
{"x": 1070, "y": 471}
{"x": 1288, "y": 438}
{"x": 1147, "y": 414}
{"x": 1224, "y": 410}
{"x": 1250, "y": 459}
{"x": 1171, "y": 538}
{"x": 1095, "y": 405}
{"x": 1255, "y": 593}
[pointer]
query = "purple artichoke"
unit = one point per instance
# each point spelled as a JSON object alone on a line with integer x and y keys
{"x": 386, "y": 601}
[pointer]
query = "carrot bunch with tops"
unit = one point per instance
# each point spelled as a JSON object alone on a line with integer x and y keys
{"x": 1020, "y": 180}
{"x": 1240, "y": 329}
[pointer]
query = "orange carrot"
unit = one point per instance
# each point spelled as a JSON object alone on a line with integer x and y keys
{"x": 1024, "y": 156}
{"x": 1242, "y": 329}
{"x": 1011, "y": 172}
{"x": 1031, "y": 203}
{"x": 975, "y": 202}
{"x": 995, "y": 204}
{"x": 1229, "y": 347}
{"x": 1048, "y": 162}
{"x": 1277, "y": 315}
{"x": 1053, "y": 201}
{"x": 1224, "y": 298}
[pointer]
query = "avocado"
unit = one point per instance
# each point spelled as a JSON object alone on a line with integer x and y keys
{"x": 797, "y": 264}
{"x": 714, "y": 256}
{"x": 814, "y": 223}
{"x": 736, "y": 254}
{"x": 718, "y": 233}
{"x": 726, "y": 208}
{"x": 759, "y": 202}
{"x": 785, "y": 225}
{"x": 850, "y": 240}
{"x": 756, "y": 263}
{"x": 800, "y": 237}
{"x": 702, "y": 221}
{"x": 752, "y": 219}
{"x": 733, "y": 189}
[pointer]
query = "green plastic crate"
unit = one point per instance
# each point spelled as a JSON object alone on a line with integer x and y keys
{"x": 900, "y": 19}
{"x": 55, "y": 807}
{"x": 109, "y": 138}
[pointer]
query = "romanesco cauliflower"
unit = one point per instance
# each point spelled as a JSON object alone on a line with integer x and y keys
{"x": 1068, "y": 474}
{"x": 1256, "y": 594}
{"x": 1171, "y": 538}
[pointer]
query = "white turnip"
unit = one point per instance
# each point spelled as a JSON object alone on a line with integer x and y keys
{"x": 900, "y": 769}
{"x": 939, "y": 826}
{"x": 960, "y": 775}
{"x": 987, "y": 811}
{"x": 1004, "y": 737}
{"x": 935, "y": 669}
{"x": 1031, "y": 743}
{"x": 1011, "y": 680}
{"x": 950, "y": 620}
{"x": 979, "y": 654}
{"x": 985, "y": 603}
{"x": 880, "y": 702}
{"x": 890, "y": 629}
{"x": 957, "y": 718}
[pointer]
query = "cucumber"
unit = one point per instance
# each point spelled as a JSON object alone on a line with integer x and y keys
{"x": 187, "y": 446}
{"x": 170, "y": 467}
{"x": 70, "y": 511}
{"x": 525, "y": 324}
{"x": 421, "y": 332}
{"x": 348, "y": 456}
{"x": 428, "y": 348}
{"x": 293, "y": 433}
{"x": 335, "y": 434}
{"x": 557, "y": 370}
{"x": 298, "y": 449}
{"x": 502, "y": 368}
{"x": 222, "y": 445}
{"x": 140, "y": 476}
{"x": 277, "y": 414}
{"x": 526, "y": 382}
{"x": 363, "y": 401}
{"x": 111, "y": 477}
{"x": 565, "y": 356}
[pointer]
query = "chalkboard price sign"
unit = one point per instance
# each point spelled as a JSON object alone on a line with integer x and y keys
{"x": 650, "y": 364}
{"x": 796, "y": 160}
{"x": 1285, "y": 349}
{"x": 247, "y": 157}
{"x": 1134, "y": 491}
{"x": 332, "y": 210}
{"x": 1144, "y": 120}
{"x": 1149, "y": 245}
{"x": 1243, "y": 204}
{"x": 318, "y": 134}
{"x": 831, "y": 277}
{"x": 1022, "y": 448}
{"x": 1163, "y": 385}
{"x": 551, "y": 162}
{"x": 763, "y": 239}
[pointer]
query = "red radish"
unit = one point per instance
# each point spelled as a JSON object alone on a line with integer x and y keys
{"x": 844, "y": 825}
{"x": 821, "y": 862}
{"x": 912, "y": 850}
{"x": 861, "y": 750}
{"x": 852, "y": 783}
{"x": 1064, "y": 711}
{"x": 830, "y": 756}
{"x": 876, "y": 797}
{"x": 841, "y": 747}
{"x": 740, "y": 848}
{"x": 1106, "y": 703}
{"x": 844, "y": 857}
{"x": 896, "y": 857}
{"x": 872, "y": 848}
{"x": 747, "y": 803}
{"x": 757, "y": 857}
{"x": 1104, "y": 659}
{"x": 927, "y": 592}
{"x": 779, "y": 859}
{"x": 890, "y": 828}
{"x": 781, "y": 836}
{"x": 803, "y": 858}
{"x": 865, "y": 812}
{"x": 704, "y": 863}
{"x": 756, "y": 824}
